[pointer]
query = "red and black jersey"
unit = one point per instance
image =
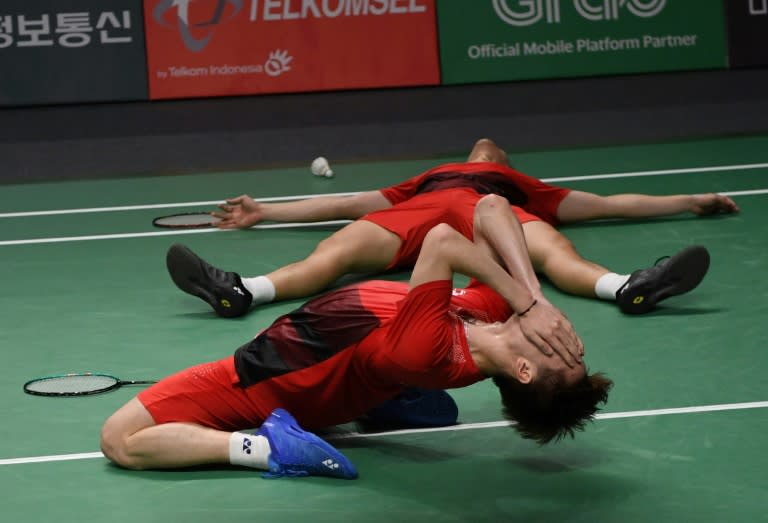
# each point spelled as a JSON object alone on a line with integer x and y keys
{"x": 521, "y": 190}
{"x": 334, "y": 359}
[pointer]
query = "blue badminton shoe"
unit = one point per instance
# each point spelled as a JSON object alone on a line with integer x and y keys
{"x": 415, "y": 407}
{"x": 222, "y": 290}
{"x": 295, "y": 452}
{"x": 669, "y": 277}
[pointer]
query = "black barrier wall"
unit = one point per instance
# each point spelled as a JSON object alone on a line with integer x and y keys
{"x": 747, "y": 32}
{"x": 62, "y": 51}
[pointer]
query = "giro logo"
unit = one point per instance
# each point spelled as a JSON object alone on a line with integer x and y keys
{"x": 528, "y": 12}
{"x": 195, "y": 35}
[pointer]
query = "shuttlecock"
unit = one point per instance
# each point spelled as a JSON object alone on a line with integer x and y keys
{"x": 320, "y": 167}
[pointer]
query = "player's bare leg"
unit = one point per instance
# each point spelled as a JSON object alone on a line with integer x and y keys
{"x": 361, "y": 246}
{"x": 553, "y": 255}
{"x": 131, "y": 439}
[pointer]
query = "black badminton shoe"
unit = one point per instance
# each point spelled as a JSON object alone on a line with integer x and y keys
{"x": 670, "y": 276}
{"x": 222, "y": 290}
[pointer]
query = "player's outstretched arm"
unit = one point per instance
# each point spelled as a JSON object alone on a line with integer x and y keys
{"x": 581, "y": 206}
{"x": 243, "y": 211}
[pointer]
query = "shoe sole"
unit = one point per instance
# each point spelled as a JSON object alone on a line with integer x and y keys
{"x": 185, "y": 271}
{"x": 685, "y": 270}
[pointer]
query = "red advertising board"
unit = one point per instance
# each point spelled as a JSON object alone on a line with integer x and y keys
{"x": 228, "y": 47}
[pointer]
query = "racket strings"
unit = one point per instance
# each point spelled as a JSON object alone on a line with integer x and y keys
{"x": 71, "y": 384}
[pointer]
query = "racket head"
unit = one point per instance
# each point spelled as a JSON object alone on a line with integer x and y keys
{"x": 74, "y": 384}
{"x": 186, "y": 220}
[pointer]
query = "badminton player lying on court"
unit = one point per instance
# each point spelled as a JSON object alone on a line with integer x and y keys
{"x": 391, "y": 223}
{"x": 347, "y": 351}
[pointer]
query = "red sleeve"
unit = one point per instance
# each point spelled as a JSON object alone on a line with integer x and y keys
{"x": 402, "y": 191}
{"x": 422, "y": 328}
{"x": 543, "y": 198}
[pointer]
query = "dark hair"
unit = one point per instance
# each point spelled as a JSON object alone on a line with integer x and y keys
{"x": 547, "y": 409}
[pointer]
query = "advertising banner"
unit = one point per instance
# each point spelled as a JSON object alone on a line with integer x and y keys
{"x": 747, "y": 32}
{"x": 498, "y": 40}
{"x": 230, "y": 47}
{"x": 58, "y": 51}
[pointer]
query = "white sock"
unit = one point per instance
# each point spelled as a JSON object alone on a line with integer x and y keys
{"x": 262, "y": 289}
{"x": 249, "y": 450}
{"x": 608, "y": 285}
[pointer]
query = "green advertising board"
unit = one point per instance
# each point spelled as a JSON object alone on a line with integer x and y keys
{"x": 499, "y": 40}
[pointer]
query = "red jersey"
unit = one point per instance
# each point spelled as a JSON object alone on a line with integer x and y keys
{"x": 403, "y": 339}
{"x": 335, "y": 358}
{"x": 526, "y": 192}
{"x": 448, "y": 194}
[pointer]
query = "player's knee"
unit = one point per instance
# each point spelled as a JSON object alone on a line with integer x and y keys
{"x": 111, "y": 442}
{"x": 114, "y": 446}
{"x": 492, "y": 203}
{"x": 441, "y": 234}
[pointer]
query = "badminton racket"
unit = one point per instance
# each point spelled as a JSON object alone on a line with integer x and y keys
{"x": 81, "y": 384}
{"x": 186, "y": 220}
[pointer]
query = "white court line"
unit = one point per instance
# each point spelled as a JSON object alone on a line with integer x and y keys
{"x": 288, "y": 225}
{"x": 307, "y": 225}
{"x": 738, "y": 167}
{"x": 163, "y": 205}
{"x": 468, "y": 426}
{"x": 741, "y": 167}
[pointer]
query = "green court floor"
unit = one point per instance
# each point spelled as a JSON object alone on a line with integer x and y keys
{"x": 87, "y": 290}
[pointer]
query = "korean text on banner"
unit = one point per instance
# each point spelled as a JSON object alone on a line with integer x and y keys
{"x": 73, "y": 51}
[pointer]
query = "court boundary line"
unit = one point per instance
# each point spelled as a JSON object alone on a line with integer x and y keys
{"x": 286, "y": 225}
{"x": 629, "y": 174}
{"x": 452, "y": 428}
{"x": 62, "y": 239}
